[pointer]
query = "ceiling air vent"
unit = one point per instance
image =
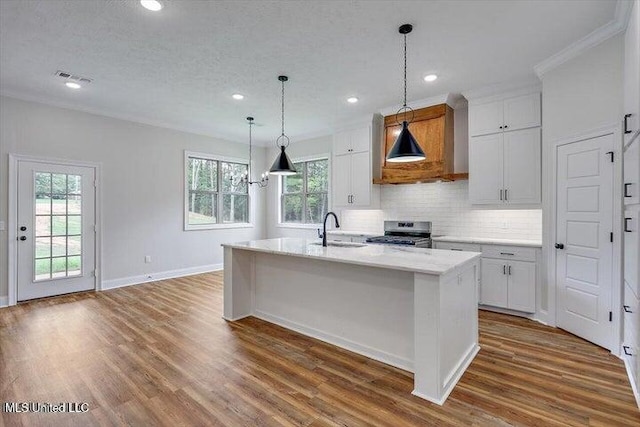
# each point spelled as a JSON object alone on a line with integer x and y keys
{"x": 72, "y": 77}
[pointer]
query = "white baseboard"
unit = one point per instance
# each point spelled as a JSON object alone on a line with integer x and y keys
{"x": 152, "y": 277}
{"x": 4, "y": 302}
{"x": 629, "y": 369}
{"x": 372, "y": 353}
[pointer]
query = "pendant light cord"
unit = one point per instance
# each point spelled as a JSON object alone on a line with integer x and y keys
{"x": 283, "y": 108}
{"x": 249, "y": 168}
{"x": 405, "y": 74}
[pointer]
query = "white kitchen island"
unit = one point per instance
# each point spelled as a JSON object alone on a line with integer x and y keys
{"x": 412, "y": 308}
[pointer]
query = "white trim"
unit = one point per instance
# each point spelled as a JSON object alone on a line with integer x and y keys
{"x": 12, "y": 223}
{"x": 453, "y": 380}
{"x": 372, "y": 353}
{"x": 630, "y": 373}
{"x": 162, "y": 275}
{"x": 4, "y": 302}
{"x": 127, "y": 118}
{"x": 445, "y": 98}
{"x": 617, "y": 25}
{"x": 502, "y": 91}
{"x": 549, "y": 231}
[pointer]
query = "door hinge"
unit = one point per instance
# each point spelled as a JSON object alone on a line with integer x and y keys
{"x": 611, "y": 237}
{"x": 611, "y": 154}
{"x": 610, "y": 316}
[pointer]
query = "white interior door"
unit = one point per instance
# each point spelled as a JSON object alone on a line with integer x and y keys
{"x": 56, "y": 229}
{"x": 583, "y": 249}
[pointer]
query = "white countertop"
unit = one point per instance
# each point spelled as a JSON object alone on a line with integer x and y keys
{"x": 417, "y": 260}
{"x": 353, "y": 233}
{"x": 489, "y": 241}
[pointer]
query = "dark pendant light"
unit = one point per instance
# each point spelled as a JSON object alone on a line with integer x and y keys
{"x": 406, "y": 148}
{"x": 264, "y": 179}
{"x": 282, "y": 165}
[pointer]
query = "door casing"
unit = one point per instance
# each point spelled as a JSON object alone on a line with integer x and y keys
{"x": 12, "y": 220}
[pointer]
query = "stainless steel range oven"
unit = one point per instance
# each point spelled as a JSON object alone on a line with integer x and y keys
{"x": 405, "y": 233}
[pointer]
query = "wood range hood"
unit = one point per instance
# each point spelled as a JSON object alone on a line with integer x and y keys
{"x": 432, "y": 127}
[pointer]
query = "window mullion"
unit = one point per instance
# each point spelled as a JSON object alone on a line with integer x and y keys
{"x": 304, "y": 193}
{"x": 219, "y": 196}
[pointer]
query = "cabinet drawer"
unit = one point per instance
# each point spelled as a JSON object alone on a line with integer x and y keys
{"x": 452, "y": 246}
{"x": 509, "y": 252}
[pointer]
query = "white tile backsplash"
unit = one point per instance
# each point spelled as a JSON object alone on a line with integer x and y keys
{"x": 446, "y": 205}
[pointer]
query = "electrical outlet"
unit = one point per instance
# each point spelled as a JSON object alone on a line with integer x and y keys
{"x": 505, "y": 225}
{"x": 147, "y": 259}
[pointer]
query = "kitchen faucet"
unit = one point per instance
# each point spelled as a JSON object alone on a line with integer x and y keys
{"x": 324, "y": 227}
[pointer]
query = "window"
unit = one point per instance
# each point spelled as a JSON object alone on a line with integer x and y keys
{"x": 305, "y": 196}
{"x": 215, "y": 194}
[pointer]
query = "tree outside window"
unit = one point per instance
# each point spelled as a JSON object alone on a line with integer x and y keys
{"x": 305, "y": 196}
{"x": 216, "y": 194}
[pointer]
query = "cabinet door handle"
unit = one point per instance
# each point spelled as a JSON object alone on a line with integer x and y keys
{"x": 626, "y": 187}
{"x": 506, "y": 253}
{"x": 505, "y": 126}
{"x": 352, "y": 198}
{"x": 627, "y": 349}
{"x": 627, "y": 309}
{"x": 505, "y": 194}
{"x": 509, "y": 270}
{"x": 626, "y": 117}
{"x": 626, "y": 222}
{"x": 456, "y": 249}
{"x": 501, "y": 127}
{"x": 504, "y": 269}
{"x": 501, "y": 190}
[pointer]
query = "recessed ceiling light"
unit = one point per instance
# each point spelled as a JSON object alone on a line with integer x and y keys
{"x": 352, "y": 100}
{"x": 153, "y": 5}
{"x": 430, "y": 77}
{"x": 237, "y": 96}
{"x": 73, "y": 85}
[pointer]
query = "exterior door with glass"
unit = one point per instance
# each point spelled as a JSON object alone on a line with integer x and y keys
{"x": 56, "y": 229}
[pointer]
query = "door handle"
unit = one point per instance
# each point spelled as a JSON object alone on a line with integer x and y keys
{"x": 626, "y": 187}
{"x": 23, "y": 238}
{"x": 504, "y": 269}
{"x": 626, "y": 117}
{"x": 627, "y": 309}
{"x": 559, "y": 246}
{"x": 626, "y": 221}
{"x": 23, "y": 228}
{"x": 505, "y": 194}
{"x": 626, "y": 350}
{"x": 501, "y": 190}
{"x": 509, "y": 270}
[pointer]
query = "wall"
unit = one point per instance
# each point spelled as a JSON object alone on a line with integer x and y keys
{"x": 297, "y": 150}
{"x": 584, "y": 93}
{"x": 142, "y": 185}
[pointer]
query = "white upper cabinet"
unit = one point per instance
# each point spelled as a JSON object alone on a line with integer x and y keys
{"x": 505, "y": 115}
{"x": 352, "y": 141}
{"x": 632, "y": 75}
{"x": 486, "y": 159}
{"x": 486, "y": 118}
{"x": 522, "y": 166}
{"x": 505, "y": 165}
{"x": 352, "y": 174}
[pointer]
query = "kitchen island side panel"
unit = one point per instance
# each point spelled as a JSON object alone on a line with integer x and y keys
{"x": 367, "y": 310}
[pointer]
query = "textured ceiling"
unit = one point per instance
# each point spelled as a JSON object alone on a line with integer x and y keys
{"x": 178, "y": 68}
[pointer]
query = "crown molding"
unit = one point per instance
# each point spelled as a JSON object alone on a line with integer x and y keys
{"x": 513, "y": 88}
{"x": 450, "y": 99}
{"x": 617, "y": 25}
{"x": 98, "y": 112}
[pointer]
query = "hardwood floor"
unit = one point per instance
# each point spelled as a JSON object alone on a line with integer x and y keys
{"x": 160, "y": 354}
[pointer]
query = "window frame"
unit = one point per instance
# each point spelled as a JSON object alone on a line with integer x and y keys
{"x": 218, "y": 194}
{"x": 304, "y": 193}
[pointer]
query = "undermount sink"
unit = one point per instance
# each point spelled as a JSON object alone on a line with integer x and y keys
{"x": 341, "y": 244}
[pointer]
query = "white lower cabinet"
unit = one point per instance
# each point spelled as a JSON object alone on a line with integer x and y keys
{"x": 508, "y": 274}
{"x": 631, "y": 341}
